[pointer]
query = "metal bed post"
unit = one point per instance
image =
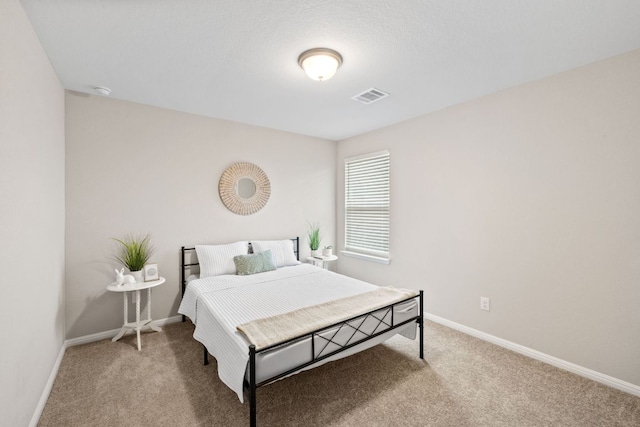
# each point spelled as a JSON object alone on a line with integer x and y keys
{"x": 184, "y": 318}
{"x": 421, "y": 325}
{"x": 206, "y": 355}
{"x": 252, "y": 385}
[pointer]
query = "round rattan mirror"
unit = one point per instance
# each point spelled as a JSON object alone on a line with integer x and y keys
{"x": 244, "y": 188}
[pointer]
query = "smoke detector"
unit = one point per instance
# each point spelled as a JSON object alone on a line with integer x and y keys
{"x": 101, "y": 90}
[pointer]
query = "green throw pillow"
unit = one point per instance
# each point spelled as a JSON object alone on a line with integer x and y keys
{"x": 255, "y": 263}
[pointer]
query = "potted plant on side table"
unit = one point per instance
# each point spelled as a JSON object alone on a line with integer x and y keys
{"x": 133, "y": 253}
{"x": 314, "y": 238}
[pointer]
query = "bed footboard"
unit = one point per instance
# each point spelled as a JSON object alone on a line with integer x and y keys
{"x": 316, "y": 356}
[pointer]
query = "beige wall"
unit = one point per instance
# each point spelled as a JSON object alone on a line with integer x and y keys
{"x": 529, "y": 197}
{"x": 140, "y": 169}
{"x": 31, "y": 217}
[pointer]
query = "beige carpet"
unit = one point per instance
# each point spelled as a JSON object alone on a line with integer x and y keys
{"x": 463, "y": 382}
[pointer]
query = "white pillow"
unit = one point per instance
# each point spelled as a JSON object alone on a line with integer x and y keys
{"x": 282, "y": 251}
{"x": 218, "y": 259}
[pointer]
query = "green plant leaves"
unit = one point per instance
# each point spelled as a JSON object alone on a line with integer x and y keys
{"x": 314, "y": 236}
{"x": 134, "y": 251}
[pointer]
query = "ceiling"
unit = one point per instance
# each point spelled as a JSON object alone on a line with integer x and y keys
{"x": 237, "y": 59}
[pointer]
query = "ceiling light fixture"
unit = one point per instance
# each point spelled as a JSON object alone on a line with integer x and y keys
{"x": 320, "y": 63}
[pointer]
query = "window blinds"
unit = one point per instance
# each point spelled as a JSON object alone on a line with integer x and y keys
{"x": 367, "y": 204}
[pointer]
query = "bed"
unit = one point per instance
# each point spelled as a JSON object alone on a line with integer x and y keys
{"x": 264, "y": 327}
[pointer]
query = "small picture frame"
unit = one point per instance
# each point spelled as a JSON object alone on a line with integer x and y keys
{"x": 151, "y": 272}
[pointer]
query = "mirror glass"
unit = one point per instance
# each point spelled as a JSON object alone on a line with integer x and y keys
{"x": 245, "y": 188}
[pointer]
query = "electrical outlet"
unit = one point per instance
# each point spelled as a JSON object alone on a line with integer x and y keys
{"x": 485, "y": 304}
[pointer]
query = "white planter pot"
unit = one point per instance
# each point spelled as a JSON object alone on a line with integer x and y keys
{"x": 138, "y": 276}
{"x": 315, "y": 253}
{"x": 327, "y": 252}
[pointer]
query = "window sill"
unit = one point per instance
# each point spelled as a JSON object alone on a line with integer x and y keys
{"x": 371, "y": 258}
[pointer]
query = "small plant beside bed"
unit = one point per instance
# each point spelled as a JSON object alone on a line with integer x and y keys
{"x": 313, "y": 235}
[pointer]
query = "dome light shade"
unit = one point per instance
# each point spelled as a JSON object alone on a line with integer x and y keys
{"x": 320, "y": 63}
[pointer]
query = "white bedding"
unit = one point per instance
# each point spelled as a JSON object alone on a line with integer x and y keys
{"x": 216, "y": 305}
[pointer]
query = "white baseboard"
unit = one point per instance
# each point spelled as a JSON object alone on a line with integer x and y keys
{"x": 543, "y": 357}
{"x": 112, "y": 333}
{"x": 47, "y": 388}
{"x": 78, "y": 341}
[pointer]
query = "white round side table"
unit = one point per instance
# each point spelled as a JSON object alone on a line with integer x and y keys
{"x": 322, "y": 261}
{"x": 138, "y": 324}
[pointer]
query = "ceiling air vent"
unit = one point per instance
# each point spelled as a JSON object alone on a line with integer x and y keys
{"x": 370, "y": 95}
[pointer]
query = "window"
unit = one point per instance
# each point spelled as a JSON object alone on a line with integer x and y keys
{"x": 367, "y": 206}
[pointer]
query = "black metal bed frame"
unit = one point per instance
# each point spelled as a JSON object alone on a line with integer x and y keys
{"x": 379, "y": 314}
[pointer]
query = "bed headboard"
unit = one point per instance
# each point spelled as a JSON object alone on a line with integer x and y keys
{"x": 184, "y": 265}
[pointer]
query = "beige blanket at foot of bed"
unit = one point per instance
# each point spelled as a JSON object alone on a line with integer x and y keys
{"x": 273, "y": 330}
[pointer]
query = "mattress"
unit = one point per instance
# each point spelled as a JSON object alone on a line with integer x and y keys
{"x": 216, "y": 305}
